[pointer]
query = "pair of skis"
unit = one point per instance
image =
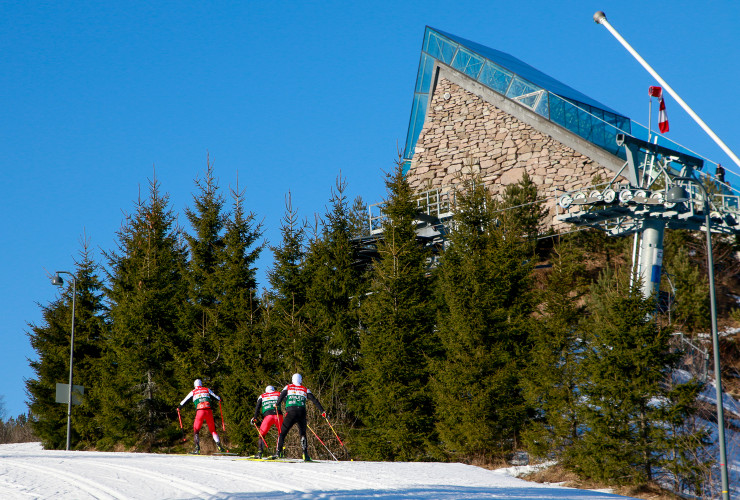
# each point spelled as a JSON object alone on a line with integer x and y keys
{"x": 255, "y": 458}
{"x": 313, "y": 432}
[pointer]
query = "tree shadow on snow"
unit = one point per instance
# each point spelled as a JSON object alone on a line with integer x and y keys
{"x": 433, "y": 493}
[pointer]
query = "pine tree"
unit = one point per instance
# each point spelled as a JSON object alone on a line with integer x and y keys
{"x": 553, "y": 376}
{"x": 484, "y": 282}
{"x": 393, "y": 400}
{"x": 52, "y": 344}
{"x": 147, "y": 291}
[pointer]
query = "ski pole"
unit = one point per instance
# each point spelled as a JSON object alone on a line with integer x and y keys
{"x": 280, "y": 431}
{"x": 179, "y": 417}
{"x": 337, "y": 436}
{"x": 320, "y": 441}
{"x": 335, "y": 432}
{"x": 260, "y": 434}
{"x": 223, "y": 424}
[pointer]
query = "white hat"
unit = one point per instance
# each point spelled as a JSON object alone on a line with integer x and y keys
{"x": 197, "y": 383}
{"x": 297, "y": 379}
{"x": 269, "y": 388}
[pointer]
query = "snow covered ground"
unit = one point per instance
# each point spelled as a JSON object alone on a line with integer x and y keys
{"x": 27, "y": 471}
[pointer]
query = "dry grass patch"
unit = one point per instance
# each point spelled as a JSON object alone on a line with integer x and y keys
{"x": 557, "y": 474}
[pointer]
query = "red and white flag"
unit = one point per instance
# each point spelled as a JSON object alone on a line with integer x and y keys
{"x": 662, "y": 116}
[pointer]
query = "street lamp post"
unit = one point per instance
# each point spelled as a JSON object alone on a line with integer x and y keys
{"x": 58, "y": 281}
{"x": 678, "y": 194}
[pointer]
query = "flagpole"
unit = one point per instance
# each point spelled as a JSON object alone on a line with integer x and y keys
{"x": 600, "y": 18}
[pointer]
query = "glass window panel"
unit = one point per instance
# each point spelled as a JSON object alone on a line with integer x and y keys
{"x": 571, "y": 117}
{"x": 528, "y": 100}
{"x": 543, "y": 107}
{"x": 424, "y": 78}
{"x": 557, "y": 113}
{"x": 520, "y": 87}
{"x": 584, "y": 124}
{"x": 495, "y": 77}
{"x": 440, "y": 48}
{"x": 418, "y": 112}
{"x": 406, "y": 167}
{"x": 429, "y": 45}
{"x": 461, "y": 60}
{"x": 467, "y": 62}
{"x": 598, "y": 129}
{"x": 624, "y": 124}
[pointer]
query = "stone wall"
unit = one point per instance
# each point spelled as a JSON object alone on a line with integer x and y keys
{"x": 463, "y": 131}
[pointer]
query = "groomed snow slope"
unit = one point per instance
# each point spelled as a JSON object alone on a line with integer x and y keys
{"x": 27, "y": 471}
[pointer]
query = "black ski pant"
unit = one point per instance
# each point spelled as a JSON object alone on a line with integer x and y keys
{"x": 294, "y": 415}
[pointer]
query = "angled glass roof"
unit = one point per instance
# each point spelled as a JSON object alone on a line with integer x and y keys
{"x": 520, "y": 82}
{"x": 515, "y": 80}
{"x": 527, "y": 72}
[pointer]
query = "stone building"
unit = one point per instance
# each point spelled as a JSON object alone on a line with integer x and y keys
{"x": 479, "y": 109}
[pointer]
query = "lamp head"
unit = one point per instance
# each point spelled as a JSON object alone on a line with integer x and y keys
{"x": 57, "y": 280}
{"x": 599, "y": 16}
{"x": 677, "y": 194}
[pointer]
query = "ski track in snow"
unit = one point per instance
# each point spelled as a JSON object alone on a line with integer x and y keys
{"x": 257, "y": 482}
{"x": 27, "y": 471}
{"x": 69, "y": 480}
{"x": 178, "y": 483}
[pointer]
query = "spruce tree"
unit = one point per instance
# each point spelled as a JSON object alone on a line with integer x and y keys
{"x": 689, "y": 282}
{"x": 627, "y": 361}
{"x": 520, "y": 200}
{"x": 553, "y": 376}
{"x": 331, "y": 343}
{"x": 284, "y": 307}
{"x": 202, "y": 325}
{"x": 333, "y": 291}
{"x": 147, "y": 292}
{"x": 358, "y": 219}
{"x": 248, "y": 358}
{"x": 484, "y": 283}
{"x": 52, "y": 344}
{"x": 687, "y": 443}
{"x": 398, "y": 340}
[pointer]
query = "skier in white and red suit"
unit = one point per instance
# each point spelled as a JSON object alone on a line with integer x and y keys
{"x": 271, "y": 415}
{"x": 203, "y": 411}
{"x": 295, "y": 396}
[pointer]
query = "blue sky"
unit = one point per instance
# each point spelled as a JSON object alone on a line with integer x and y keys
{"x": 96, "y": 96}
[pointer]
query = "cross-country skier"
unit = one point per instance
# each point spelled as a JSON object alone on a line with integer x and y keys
{"x": 271, "y": 413}
{"x": 295, "y": 396}
{"x": 203, "y": 411}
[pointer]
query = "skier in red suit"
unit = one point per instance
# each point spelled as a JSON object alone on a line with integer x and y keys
{"x": 271, "y": 415}
{"x": 203, "y": 411}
